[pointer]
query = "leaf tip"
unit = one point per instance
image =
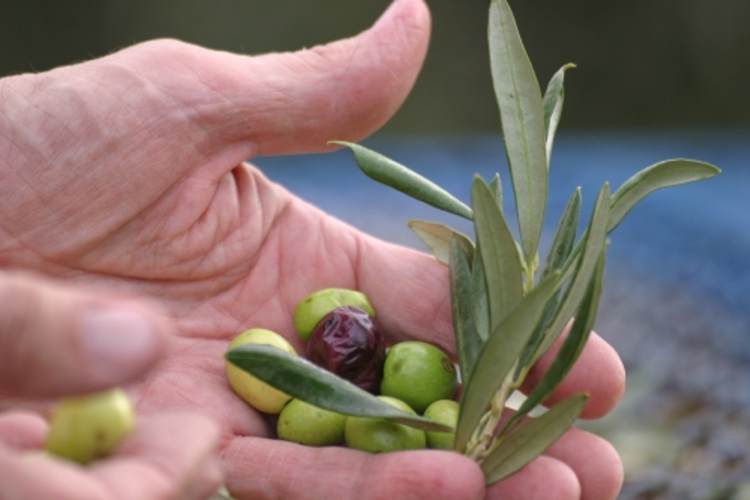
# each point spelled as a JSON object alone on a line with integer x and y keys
{"x": 479, "y": 181}
{"x": 345, "y": 144}
{"x": 710, "y": 169}
{"x": 713, "y": 170}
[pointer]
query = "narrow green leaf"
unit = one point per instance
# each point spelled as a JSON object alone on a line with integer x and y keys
{"x": 468, "y": 341}
{"x": 497, "y": 187}
{"x": 522, "y": 115}
{"x": 438, "y": 237}
{"x": 557, "y": 259}
{"x": 502, "y": 265}
{"x": 532, "y": 346}
{"x": 592, "y": 246}
{"x": 565, "y": 236}
{"x": 530, "y": 440}
{"x": 397, "y": 176}
{"x": 498, "y": 356}
{"x": 303, "y": 380}
{"x": 480, "y": 301}
{"x": 660, "y": 175}
{"x": 571, "y": 348}
{"x": 554, "y": 97}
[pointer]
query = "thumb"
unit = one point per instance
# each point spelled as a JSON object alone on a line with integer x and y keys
{"x": 56, "y": 341}
{"x": 295, "y": 102}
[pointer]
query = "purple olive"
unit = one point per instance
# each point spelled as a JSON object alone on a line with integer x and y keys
{"x": 348, "y": 343}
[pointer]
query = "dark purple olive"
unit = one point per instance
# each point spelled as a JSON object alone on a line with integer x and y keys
{"x": 348, "y": 343}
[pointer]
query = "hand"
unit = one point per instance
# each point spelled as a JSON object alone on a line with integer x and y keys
{"x": 127, "y": 172}
{"x": 58, "y": 341}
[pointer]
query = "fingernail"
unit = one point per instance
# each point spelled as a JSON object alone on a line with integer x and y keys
{"x": 118, "y": 343}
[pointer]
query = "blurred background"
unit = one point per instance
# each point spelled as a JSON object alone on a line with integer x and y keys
{"x": 655, "y": 79}
{"x": 642, "y": 63}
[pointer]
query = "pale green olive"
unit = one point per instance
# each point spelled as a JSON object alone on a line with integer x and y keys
{"x": 378, "y": 435}
{"x": 315, "y": 306}
{"x": 88, "y": 427}
{"x": 418, "y": 373}
{"x": 444, "y": 411}
{"x": 303, "y": 423}
{"x": 260, "y": 395}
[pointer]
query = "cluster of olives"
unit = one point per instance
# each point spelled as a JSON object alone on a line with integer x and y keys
{"x": 343, "y": 337}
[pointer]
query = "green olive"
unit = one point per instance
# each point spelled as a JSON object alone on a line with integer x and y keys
{"x": 378, "y": 435}
{"x": 418, "y": 373}
{"x": 260, "y": 395}
{"x": 315, "y": 306}
{"x": 88, "y": 427}
{"x": 303, "y": 423}
{"x": 444, "y": 411}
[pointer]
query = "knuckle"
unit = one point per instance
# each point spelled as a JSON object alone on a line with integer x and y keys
{"x": 161, "y": 48}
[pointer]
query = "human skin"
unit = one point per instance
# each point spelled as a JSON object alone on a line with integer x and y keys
{"x": 127, "y": 175}
{"x": 54, "y": 341}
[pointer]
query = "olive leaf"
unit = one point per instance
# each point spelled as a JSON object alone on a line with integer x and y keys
{"x": 397, "y": 176}
{"x": 559, "y": 257}
{"x": 660, "y": 175}
{"x": 571, "y": 348}
{"x": 586, "y": 258}
{"x": 438, "y": 237}
{"x": 529, "y": 441}
{"x": 480, "y": 300}
{"x": 562, "y": 244}
{"x": 553, "y": 100}
{"x": 468, "y": 340}
{"x": 497, "y": 187}
{"x": 522, "y": 116}
{"x": 499, "y": 355}
{"x": 304, "y": 380}
{"x": 537, "y": 337}
{"x": 500, "y": 259}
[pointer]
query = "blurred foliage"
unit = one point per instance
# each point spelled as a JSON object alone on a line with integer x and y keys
{"x": 642, "y": 63}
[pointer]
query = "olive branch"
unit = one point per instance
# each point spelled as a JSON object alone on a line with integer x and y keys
{"x": 507, "y": 307}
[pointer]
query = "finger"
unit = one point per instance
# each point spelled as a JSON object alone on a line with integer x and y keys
{"x": 594, "y": 461}
{"x": 599, "y": 371}
{"x": 205, "y": 484}
{"x": 163, "y": 459}
{"x": 35, "y": 475}
{"x": 22, "y": 430}
{"x": 56, "y": 340}
{"x": 168, "y": 456}
{"x": 260, "y": 468}
{"x": 297, "y": 101}
{"x": 544, "y": 478}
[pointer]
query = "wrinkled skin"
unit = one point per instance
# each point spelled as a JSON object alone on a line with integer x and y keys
{"x": 348, "y": 342}
{"x": 125, "y": 174}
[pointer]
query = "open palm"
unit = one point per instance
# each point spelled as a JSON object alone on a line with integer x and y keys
{"x": 126, "y": 174}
